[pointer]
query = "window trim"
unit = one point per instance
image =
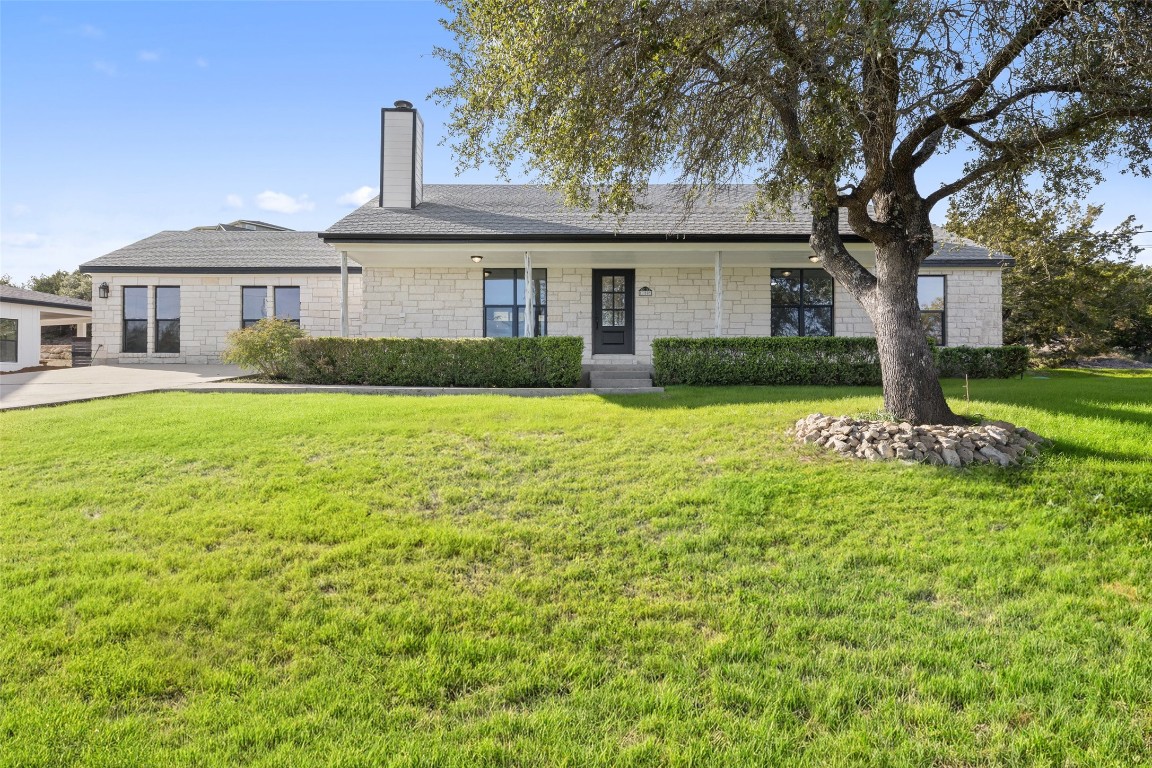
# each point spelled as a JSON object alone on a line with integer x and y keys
{"x": 244, "y": 323}
{"x": 299, "y": 303}
{"x": 15, "y": 340}
{"x": 942, "y": 312}
{"x": 124, "y": 320}
{"x": 157, "y": 320}
{"x": 802, "y": 305}
{"x": 517, "y": 305}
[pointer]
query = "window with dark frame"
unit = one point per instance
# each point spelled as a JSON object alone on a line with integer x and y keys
{"x": 932, "y": 294}
{"x": 135, "y": 319}
{"x": 802, "y": 302}
{"x": 167, "y": 319}
{"x": 286, "y": 303}
{"x": 9, "y": 340}
{"x": 504, "y": 302}
{"x": 253, "y": 298}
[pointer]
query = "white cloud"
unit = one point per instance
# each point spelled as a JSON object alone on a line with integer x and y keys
{"x": 104, "y": 67}
{"x": 202, "y": 62}
{"x": 234, "y": 201}
{"x": 148, "y": 55}
{"x": 22, "y": 239}
{"x": 21, "y": 210}
{"x": 357, "y": 197}
{"x": 88, "y": 30}
{"x": 282, "y": 203}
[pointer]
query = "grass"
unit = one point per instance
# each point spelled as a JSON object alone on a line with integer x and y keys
{"x": 660, "y": 580}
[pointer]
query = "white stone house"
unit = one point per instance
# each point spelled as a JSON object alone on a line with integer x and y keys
{"x": 23, "y": 313}
{"x": 449, "y": 260}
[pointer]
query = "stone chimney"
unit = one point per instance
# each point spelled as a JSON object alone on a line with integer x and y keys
{"x": 401, "y": 156}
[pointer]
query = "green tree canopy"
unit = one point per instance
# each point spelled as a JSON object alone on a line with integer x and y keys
{"x": 1071, "y": 286}
{"x": 62, "y": 283}
{"x": 836, "y": 103}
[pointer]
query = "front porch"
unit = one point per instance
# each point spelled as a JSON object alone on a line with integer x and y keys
{"x": 617, "y": 300}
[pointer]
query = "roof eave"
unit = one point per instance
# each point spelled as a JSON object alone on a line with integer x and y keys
{"x": 170, "y": 270}
{"x": 391, "y": 237}
{"x": 53, "y": 304}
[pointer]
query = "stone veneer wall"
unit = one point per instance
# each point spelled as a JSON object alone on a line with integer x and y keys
{"x": 210, "y": 307}
{"x": 440, "y": 302}
{"x": 423, "y": 302}
{"x": 972, "y": 316}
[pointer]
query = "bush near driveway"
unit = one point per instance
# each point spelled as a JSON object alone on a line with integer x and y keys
{"x": 541, "y": 361}
{"x": 265, "y": 347}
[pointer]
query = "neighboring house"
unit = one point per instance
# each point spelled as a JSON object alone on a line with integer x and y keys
{"x": 449, "y": 260}
{"x": 23, "y": 313}
{"x": 243, "y": 225}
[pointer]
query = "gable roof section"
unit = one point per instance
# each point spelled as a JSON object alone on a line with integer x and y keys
{"x": 531, "y": 213}
{"x": 222, "y": 252}
{"x": 10, "y": 294}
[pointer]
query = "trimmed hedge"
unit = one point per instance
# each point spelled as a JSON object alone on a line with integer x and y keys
{"x": 544, "y": 361}
{"x": 809, "y": 360}
{"x": 982, "y": 362}
{"x": 802, "y": 360}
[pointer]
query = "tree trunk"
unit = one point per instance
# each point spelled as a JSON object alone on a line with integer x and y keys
{"x": 912, "y": 390}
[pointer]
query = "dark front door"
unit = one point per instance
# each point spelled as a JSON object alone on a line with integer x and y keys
{"x": 613, "y": 326}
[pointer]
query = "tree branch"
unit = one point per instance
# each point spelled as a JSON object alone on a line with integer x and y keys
{"x": 1051, "y": 12}
{"x": 1018, "y": 151}
{"x": 839, "y": 263}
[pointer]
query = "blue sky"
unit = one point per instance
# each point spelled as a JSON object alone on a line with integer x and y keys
{"x": 118, "y": 120}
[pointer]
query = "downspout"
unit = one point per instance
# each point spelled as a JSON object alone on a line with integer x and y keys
{"x": 719, "y": 279}
{"x": 344, "y": 294}
{"x": 529, "y": 297}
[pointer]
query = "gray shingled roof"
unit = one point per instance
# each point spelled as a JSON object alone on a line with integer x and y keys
{"x": 464, "y": 212}
{"x": 495, "y": 211}
{"x": 216, "y": 251}
{"x": 24, "y": 296}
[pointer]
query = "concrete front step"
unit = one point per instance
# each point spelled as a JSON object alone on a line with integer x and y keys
{"x": 631, "y": 373}
{"x": 598, "y": 383}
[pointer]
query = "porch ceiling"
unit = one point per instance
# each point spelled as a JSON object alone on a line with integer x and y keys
{"x": 592, "y": 255}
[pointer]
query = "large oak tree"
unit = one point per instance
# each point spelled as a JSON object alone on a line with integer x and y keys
{"x": 839, "y": 102}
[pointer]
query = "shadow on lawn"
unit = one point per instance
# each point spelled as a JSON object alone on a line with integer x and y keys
{"x": 1094, "y": 395}
{"x": 707, "y": 397}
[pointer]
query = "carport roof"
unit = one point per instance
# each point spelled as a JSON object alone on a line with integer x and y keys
{"x": 12, "y": 295}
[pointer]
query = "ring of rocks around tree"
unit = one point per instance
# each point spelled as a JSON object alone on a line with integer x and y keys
{"x": 990, "y": 442}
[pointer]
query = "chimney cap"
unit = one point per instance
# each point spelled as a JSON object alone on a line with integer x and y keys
{"x": 401, "y": 104}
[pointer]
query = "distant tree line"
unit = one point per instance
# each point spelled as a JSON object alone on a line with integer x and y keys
{"x": 1074, "y": 290}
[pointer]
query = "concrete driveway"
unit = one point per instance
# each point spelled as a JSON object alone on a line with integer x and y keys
{"x": 66, "y": 385}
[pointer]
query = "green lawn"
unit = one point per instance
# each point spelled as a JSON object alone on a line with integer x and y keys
{"x": 659, "y": 580}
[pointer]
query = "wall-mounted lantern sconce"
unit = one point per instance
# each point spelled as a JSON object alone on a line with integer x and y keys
{"x": 103, "y": 290}
{"x": 477, "y": 259}
{"x": 814, "y": 259}
{"x": 645, "y": 291}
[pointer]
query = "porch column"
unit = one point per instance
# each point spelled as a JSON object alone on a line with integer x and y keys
{"x": 719, "y": 314}
{"x": 81, "y": 329}
{"x": 529, "y": 297}
{"x": 344, "y": 293}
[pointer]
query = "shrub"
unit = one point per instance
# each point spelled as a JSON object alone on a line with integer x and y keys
{"x": 265, "y": 346}
{"x": 809, "y": 360}
{"x": 544, "y": 361}
{"x": 982, "y": 362}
